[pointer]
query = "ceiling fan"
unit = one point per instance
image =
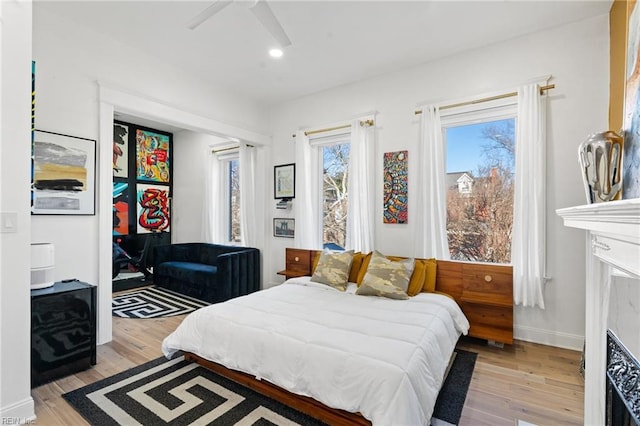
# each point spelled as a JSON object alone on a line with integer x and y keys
{"x": 260, "y": 9}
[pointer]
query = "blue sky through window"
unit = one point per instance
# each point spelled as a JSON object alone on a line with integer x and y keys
{"x": 464, "y": 146}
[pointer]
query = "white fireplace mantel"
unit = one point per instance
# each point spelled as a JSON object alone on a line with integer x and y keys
{"x": 613, "y": 245}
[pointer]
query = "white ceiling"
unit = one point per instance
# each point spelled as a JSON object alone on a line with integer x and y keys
{"x": 333, "y": 42}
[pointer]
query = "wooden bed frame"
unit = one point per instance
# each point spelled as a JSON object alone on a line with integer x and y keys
{"x": 484, "y": 291}
{"x": 309, "y": 406}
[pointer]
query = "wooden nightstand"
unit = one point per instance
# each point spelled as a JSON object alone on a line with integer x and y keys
{"x": 487, "y": 292}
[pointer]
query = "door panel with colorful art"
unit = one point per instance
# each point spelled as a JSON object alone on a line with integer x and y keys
{"x": 141, "y": 195}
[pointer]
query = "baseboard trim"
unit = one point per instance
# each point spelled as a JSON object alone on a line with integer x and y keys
{"x": 548, "y": 337}
{"x": 21, "y": 412}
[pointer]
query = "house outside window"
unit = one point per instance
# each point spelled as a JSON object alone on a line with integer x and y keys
{"x": 480, "y": 167}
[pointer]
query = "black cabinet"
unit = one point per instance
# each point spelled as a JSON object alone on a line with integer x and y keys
{"x": 63, "y": 330}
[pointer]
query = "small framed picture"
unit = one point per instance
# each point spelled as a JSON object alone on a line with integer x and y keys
{"x": 284, "y": 227}
{"x": 284, "y": 181}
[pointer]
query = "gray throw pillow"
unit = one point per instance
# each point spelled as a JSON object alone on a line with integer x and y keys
{"x": 333, "y": 269}
{"x": 386, "y": 278}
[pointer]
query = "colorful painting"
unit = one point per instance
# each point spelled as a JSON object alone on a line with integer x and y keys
{"x": 631, "y": 156}
{"x": 153, "y": 208}
{"x": 120, "y": 208}
{"x": 395, "y": 167}
{"x": 120, "y": 150}
{"x": 63, "y": 174}
{"x": 152, "y": 156}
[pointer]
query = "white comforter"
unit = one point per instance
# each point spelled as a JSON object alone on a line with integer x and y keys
{"x": 383, "y": 358}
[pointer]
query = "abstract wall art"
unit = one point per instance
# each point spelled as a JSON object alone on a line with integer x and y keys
{"x": 120, "y": 150}
{"x": 152, "y": 156}
{"x": 120, "y": 208}
{"x": 395, "y": 168}
{"x": 153, "y": 208}
{"x": 63, "y": 174}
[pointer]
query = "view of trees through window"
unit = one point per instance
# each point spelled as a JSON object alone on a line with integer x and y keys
{"x": 480, "y": 182}
{"x": 234, "y": 201}
{"x": 335, "y": 193}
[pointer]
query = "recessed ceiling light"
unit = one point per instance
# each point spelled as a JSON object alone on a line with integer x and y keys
{"x": 275, "y": 53}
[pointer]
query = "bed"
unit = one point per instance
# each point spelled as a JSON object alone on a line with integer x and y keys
{"x": 382, "y": 358}
{"x": 345, "y": 358}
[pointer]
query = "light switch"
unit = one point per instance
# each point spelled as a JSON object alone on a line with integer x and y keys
{"x": 8, "y": 222}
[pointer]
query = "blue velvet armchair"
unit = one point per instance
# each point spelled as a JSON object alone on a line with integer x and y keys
{"x": 209, "y": 272}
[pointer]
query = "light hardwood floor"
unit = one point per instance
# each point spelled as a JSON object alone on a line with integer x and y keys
{"x": 535, "y": 383}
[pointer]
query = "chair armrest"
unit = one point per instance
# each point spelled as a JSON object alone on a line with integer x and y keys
{"x": 161, "y": 254}
{"x": 239, "y": 271}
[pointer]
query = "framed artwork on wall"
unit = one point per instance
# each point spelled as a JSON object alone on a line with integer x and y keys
{"x": 152, "y": 156}
{"x": 63, "y": 173}
{"x": 284, "y": 181}
{"x": 284, "y": 227}
{"x": 120, "y": 150}
{"x": 120, "y": 208}
{"x": 152, "y": 202}
{"x": 395, "y": 192}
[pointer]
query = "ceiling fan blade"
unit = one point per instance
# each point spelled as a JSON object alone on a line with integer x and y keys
{"x": 208, "y": 13}
{"x": 265, "y": 15}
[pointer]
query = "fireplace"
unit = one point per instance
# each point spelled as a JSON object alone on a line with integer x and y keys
{"x": 623, "y": 384}
{"x": 612, "y": 382}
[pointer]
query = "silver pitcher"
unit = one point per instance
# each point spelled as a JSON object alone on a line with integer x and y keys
{"x": 601, "y": 160}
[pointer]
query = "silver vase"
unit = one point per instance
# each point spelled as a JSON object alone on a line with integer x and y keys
{"x": 601, "y": 160}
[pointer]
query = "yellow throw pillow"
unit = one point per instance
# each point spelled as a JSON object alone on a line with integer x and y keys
{"x": 430, "y": 278}
{"x": 386, "y": 278}
{"x": 356, "y": 264}
{"x": 416, "y": 283}
{"x": 333, "y": 269}
{"x": 363, "y": 268}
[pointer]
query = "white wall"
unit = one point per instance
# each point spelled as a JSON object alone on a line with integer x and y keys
{"x": 576, "y": 55}
{"x": 15, "y": 151}
{"x": 191, "y": 152}
{"x": 71, "y": 59}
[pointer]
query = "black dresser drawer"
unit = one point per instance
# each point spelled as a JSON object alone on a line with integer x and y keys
{"x": 63, "y": 330}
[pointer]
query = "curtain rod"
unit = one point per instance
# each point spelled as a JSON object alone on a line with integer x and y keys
{"x": 328, "y": 129}
{"x": 490, "y": 98}
{"x": 215, "y": 151}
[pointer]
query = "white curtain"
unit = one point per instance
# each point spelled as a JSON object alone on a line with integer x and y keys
{"x": 248, "y": 207}
{"x": 213, "y": 217}
{"x": 528, "y": 240}
{"x": 361, "y": 213}
{"x": 308, "y": 234}
{"x": 431, "y": 215}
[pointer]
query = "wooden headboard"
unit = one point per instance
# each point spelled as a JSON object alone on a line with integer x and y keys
{"x": 484, "y": 291}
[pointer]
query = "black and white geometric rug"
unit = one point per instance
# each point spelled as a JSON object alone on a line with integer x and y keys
{"x": 154, "y": 302}
{"x": 177, "y": 392}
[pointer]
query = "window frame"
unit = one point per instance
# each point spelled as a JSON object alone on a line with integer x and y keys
{"x": 495, "y": 110}
{"x": 319, "y": 142}
{"x": 225, "y": 161}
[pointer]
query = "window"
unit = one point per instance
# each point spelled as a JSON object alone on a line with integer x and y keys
{"x": 234, "y": 200}
{"x": 335, "y": 194}
{"x": 480, "y": 167}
